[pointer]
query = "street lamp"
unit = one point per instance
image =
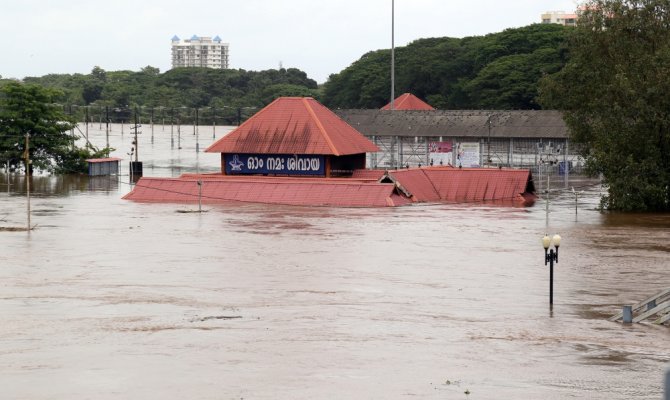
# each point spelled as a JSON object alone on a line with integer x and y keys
{"x": 549, "y": 257}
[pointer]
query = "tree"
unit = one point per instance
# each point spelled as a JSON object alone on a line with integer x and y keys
{"x": 499, "y": 70}
{"x": 614, "y": 93}
{"x": 28, "y": 109}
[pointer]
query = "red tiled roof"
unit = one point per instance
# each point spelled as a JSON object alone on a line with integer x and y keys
{"x": 408, "y": 101}
{"x": 375, "y": 174}
{"x": 417, "y": 183}
{"x": 294, "y": 125}
{"x": 479, "y": 184}
{"x": 427, "y": 184}
{"x": 302, "y": 192}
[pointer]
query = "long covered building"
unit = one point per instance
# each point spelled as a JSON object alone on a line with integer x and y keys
{"x": 466, "y": 138}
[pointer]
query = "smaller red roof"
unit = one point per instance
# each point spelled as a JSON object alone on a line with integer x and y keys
{"x": 408, "y": 101}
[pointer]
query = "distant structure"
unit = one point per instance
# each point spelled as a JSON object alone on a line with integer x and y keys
{"x": 408, "y": 101}
{"x": 560, "y": 18}
{"x": 199, "y": 51}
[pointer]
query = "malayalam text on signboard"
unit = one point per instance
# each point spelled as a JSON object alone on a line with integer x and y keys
{"x": 281, "y": 164}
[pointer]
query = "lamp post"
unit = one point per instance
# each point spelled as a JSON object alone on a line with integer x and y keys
{"x": 551, "y": 256}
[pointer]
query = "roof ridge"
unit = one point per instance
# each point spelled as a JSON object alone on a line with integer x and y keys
{"x": 320, "y": 126}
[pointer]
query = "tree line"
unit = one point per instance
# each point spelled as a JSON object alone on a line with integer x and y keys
{"x": 496, "y": 71}
{"x": 178, "y": 90}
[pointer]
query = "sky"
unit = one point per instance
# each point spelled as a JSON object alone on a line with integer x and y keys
{"x": 39, "y": 37}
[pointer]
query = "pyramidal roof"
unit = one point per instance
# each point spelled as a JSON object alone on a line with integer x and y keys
{"x": 175, "y": 38}
{"x": 408, "y": 101}
{"x": 294, "y": 125}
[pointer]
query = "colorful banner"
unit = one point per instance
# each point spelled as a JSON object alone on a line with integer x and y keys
{"x": 281, "y": 164}
{"x": 440, "y": 153}
{"x": 467, "y": 155}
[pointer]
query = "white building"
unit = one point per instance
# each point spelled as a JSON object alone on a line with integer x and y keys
{"x": 559, "y": 17}
{"x": 199, "y": 52}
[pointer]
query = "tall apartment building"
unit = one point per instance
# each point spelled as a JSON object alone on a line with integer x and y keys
{"x": 559, "y": 17}
{"x": 199, "y": 52}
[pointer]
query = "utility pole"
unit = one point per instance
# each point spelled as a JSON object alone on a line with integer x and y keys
{"x": 488, "y": 157}
{"x": 152, "y": 124}
{"x": 392, "y": 54}
{"x": 27, "y": 157}
{"x": 107, "y": 127}
{"x": 136, "y": 166}
{"x": 213, "y": 122}
{"x": 86, "y": 122}
{"x": 135, "y": 142}
{"x": 197, "y": 125}
{"x": 172, "y": 129}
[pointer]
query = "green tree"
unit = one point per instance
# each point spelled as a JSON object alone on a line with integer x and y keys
{"x": 499, "y": 70}
{"x": 614, "y": 92}
{"x": 29, "y": 109}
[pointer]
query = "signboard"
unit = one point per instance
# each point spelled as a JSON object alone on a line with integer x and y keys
{"x": 440, "y": 153}
{"x": 467, "y": 155}
{"x": 281, "y": 164}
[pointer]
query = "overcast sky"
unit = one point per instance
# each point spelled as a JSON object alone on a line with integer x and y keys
{"x": 38, "y": 37}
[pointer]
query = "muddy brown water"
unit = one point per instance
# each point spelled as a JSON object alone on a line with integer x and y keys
{"x": 109, "y": 299}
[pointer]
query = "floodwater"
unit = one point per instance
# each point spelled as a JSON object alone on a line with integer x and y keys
{"x": 110, "y": 299}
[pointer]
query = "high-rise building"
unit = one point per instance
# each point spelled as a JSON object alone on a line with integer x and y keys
{"x": 199, "y": 52}
{"x": 559, "y": 17}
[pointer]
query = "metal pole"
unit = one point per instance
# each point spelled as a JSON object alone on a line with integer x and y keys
{"x": 565, "y": 164}
{"x": 100, "y": 122}
{"x": 197, "y": 144}
{"x": 488, "y": 157}
{"x": 199, "y": 195}
{"x": 107, "y": 127}
{"x": 214, "y": 123}
{"x": 152, "y": 124}
{"x": 27, "y": 176}
{"x": 172, "y": 129}
{"x": 551, "y": 277}
{"x": 547, "y": 204}
{"x": 137, "y": 145}
{"x": 392, "y": 54}
{"x": 86, "y": 122}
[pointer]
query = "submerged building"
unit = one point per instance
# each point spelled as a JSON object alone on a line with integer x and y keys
{"x": 295, "y": 151}
{"x": 199, "y": 51}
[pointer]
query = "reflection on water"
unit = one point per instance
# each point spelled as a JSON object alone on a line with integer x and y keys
{"x": 110, "y": 299}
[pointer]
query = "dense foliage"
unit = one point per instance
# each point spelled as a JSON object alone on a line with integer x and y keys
{"x": 615, "y": 93}
{"x": 227, "y": 91}
{"x": 496, "y": 71}
{"x": 29, "y": 109}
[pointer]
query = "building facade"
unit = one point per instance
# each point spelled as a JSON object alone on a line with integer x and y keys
{"x": 199, "y": 51}
{"x": 533, "y": 139}
{"x": 559, "y": 17}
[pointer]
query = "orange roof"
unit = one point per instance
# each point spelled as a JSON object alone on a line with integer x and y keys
{"x": 294, "y": 125}
{"x": 269, "y": 190}
{"x": 366, "y": 189}
{"x": 408, "y": 101}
